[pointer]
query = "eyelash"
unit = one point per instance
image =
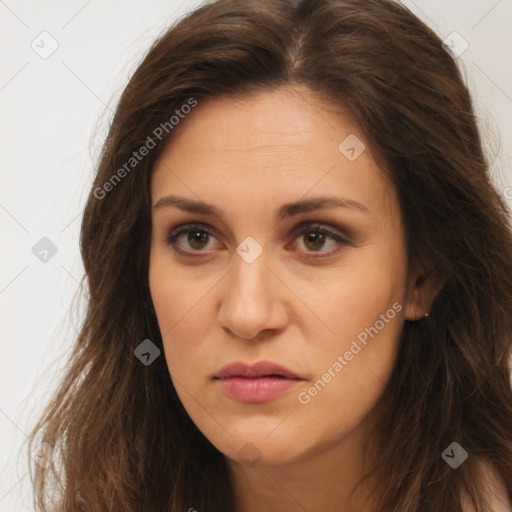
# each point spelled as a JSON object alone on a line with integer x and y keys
{"x": 170, "y": 239}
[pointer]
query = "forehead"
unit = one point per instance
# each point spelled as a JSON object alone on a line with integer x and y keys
{"x": 268, "y": 118}
{"x": 279, "y": 143}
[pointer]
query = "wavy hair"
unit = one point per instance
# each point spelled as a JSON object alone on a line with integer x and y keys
{"x": 124, "y": 440}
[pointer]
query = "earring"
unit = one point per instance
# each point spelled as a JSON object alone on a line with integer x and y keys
{"x": 426, "y": 314}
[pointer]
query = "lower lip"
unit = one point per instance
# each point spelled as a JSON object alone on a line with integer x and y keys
{"x": 256, "y": 390}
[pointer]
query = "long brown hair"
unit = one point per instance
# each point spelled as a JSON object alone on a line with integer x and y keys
{"x": 124, "y": 439}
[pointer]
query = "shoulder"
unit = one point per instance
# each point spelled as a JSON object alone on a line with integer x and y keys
{"x": 495, "y": 489}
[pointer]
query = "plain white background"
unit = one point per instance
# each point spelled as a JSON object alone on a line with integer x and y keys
{"x": 50, "y": 108}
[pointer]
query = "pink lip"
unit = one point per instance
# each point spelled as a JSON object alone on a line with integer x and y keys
{"x": 257, "y": 383}
{"x": 259, "y": 369}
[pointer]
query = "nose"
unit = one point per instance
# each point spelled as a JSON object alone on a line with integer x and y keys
{"x": 253, "y": 300}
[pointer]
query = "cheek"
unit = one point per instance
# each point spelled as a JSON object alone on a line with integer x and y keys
{"x": 363, "y": 307}
{"x": 180, "y": 305}
{"x": 353, "y": 367}
{"x": 353, "y": 297}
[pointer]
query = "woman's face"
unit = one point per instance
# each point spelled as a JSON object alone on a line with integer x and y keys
{"x": 319, "y": 289}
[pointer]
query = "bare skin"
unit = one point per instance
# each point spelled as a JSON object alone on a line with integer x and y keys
{"x": 299, "y": 303}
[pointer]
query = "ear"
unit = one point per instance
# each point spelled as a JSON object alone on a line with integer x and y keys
{"x": 423, "y": 289}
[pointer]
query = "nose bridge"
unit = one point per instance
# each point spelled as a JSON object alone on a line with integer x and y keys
{"x": 250, "y": 279}
{"x": 250, "y": 302}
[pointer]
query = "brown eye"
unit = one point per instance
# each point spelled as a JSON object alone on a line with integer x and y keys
{"x": 197, "y": 239}
{"x": 314, "y": 240}
{"x": 189, "y": 239}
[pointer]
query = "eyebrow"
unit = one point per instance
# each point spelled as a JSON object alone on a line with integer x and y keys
{"x": 286, "y": 210}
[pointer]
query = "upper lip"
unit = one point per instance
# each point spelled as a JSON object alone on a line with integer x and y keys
{"x": 259, "y": 369}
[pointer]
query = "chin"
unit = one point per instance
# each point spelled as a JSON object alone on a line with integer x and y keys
{"x": 257, "y": 448}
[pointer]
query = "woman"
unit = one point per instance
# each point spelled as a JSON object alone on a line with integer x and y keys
{"x": 299, "y": 274}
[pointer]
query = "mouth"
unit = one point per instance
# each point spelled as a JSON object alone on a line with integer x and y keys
{"x": 257, "y": 383}
{"x": 256, "y": 370}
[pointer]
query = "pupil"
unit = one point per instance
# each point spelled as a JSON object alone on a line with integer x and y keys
{"x": 317, "y": 239}
{"x": 196, "y": 237}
